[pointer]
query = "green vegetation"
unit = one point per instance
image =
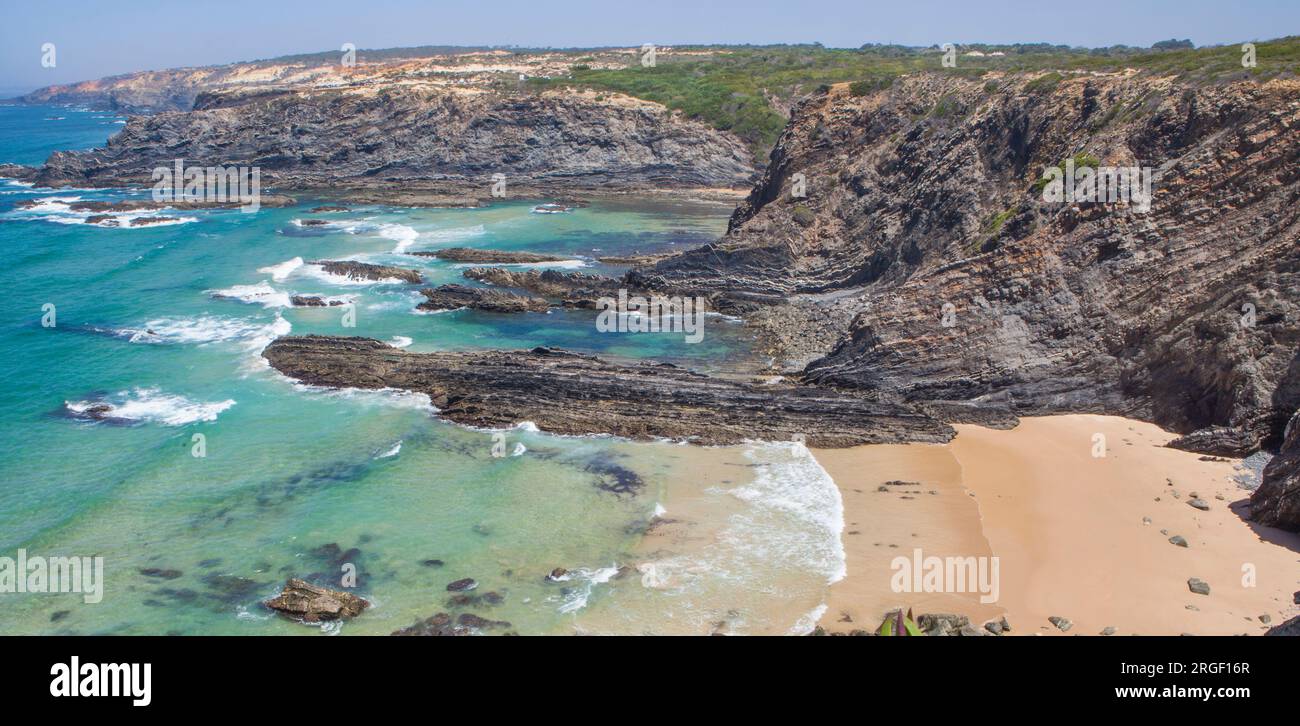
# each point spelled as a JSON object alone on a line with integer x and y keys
{"x": 1045, "y": 83}
{"x": 803, "y": 215}
{"x": 1081, "y": 160}
{"x": 743, "y": 89}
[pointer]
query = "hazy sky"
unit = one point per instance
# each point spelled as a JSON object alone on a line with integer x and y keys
{"x": 96, "y": 38}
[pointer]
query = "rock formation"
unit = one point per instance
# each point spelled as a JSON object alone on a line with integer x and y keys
{"x": 452, "y": 297}
{"x": 923, "y": 263}
{"x": 310, "y": 603}
{"x": 367, "y": 271}
{"x": 568, "y": 393}
{"x": 468, "y": 254}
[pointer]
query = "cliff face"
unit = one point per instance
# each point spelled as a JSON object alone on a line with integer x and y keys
{"x": 924, "y": 264}
{"x": 367, "y": 136}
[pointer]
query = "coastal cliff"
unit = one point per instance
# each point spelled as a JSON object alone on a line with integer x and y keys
{"x": 924, "y": 265}
{"x": 451, "y": 140}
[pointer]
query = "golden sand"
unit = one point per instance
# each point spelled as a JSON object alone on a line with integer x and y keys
{"x": 1068, "y": 530}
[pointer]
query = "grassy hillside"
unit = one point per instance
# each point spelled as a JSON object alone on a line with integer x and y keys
{"x": 743, "y": 89}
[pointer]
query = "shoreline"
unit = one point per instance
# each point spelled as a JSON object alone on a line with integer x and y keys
{"x": 1077, "y": 537}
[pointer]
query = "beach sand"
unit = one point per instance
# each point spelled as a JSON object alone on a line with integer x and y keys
{"x": 1068, "y": 530}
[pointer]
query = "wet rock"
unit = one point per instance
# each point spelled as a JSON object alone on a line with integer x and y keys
{"x": 440, "y": 625}
{"x": 584, "y": 394}
{"x": 467, "y": 254}
{"x": 367, "y": 271}
{"x": 1198, "y": 586}
{"x": 454, "y": 297}
{"x": 558, "y": 574}
{"x": 300, "y": 600}
{"x": 462, "y": 585}
{"x": 312, "y": 301}
{"x": 327, "y": 208}
{"x": 470, "y": 620}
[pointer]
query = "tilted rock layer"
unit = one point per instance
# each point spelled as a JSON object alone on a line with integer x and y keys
{"x": 924, "y": 264}
{"x": 568, "y": 393}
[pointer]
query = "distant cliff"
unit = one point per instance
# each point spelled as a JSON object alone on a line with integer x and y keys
{"x": 373, "y": 137}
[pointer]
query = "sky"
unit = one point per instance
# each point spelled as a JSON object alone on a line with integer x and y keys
{"x": 96, "y": 38}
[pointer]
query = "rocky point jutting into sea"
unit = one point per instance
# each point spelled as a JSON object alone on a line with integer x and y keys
{"x": 917, "y": 269}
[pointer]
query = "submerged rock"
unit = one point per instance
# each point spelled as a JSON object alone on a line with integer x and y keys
{"x": 309, "y": 603}
{"x": 463, "y": 585}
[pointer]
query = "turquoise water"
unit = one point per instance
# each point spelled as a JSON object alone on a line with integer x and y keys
{"x": 166, "y": 323}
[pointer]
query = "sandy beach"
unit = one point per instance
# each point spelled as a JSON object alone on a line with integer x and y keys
{"x": 1076, "y": 535}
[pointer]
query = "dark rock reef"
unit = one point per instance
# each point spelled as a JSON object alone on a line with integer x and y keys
{"x": 453, "y": 297}
{"x": 572, "y": 289}
{"x": 367, "y": 271}
{"x": 568, "y": 393}
{"x": 469, "y": 254}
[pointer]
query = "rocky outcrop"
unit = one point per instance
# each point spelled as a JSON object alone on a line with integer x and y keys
{"x": 573, "y": 289}
{"x": 303, "y": 601}
{"x": 1276, "y": 502}
{"x": 313, "y": 301}
{"x": 924, "y": 264}
{"x": 453, "y": 297}
{"x": 1289, "y": 628}
{"x": 568, "y": 393}
{"x": 367, "y": 271}
{"x": 453, "y": 141}
{"x": 468, "y": 254}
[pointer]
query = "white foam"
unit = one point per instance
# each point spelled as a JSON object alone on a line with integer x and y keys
{"x": 152, "y": 406}
{"x": 393, "y": 451}
{"x": 318, "y": 272}
{"x": 59, "y": 210}
{"x": 577, "y": 598}
{"x": 403, "y": 235}
{"x": 789, "y": 483}
{"x": 202, "y": 330}
{"x": 281, "y": 272}
{"x": 400, "y": 341}
{"x": 808, "y": 622}
{"x": 260, "y": 293}
{"x": 391, "y": 397}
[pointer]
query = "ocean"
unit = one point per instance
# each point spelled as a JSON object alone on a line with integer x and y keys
{"x": 166, "y": 323}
